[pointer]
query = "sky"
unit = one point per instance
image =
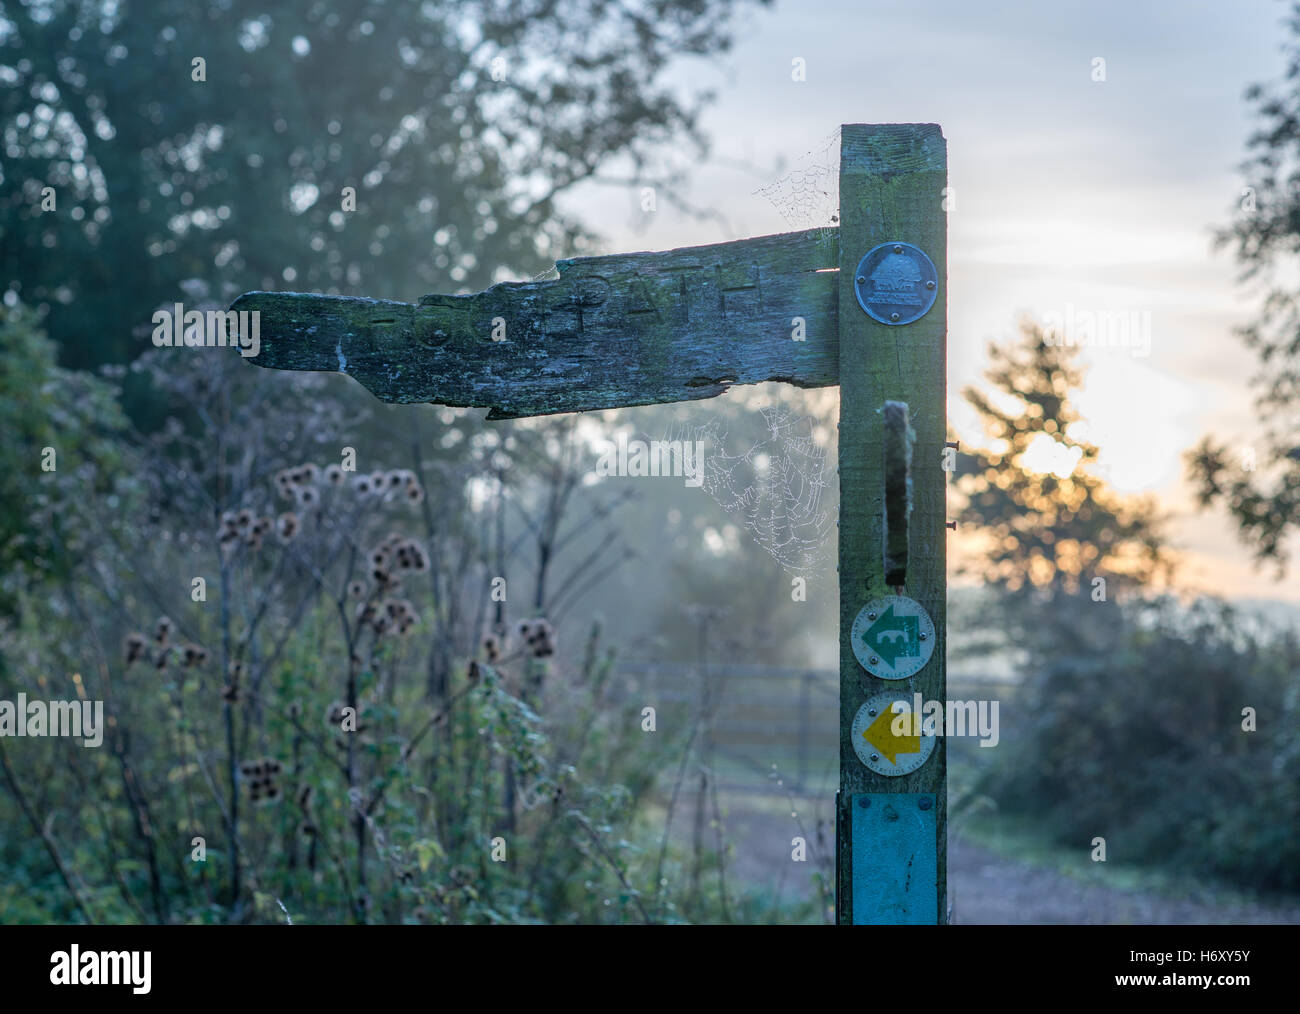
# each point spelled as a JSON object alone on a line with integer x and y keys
{"x": 1072, "y": 195}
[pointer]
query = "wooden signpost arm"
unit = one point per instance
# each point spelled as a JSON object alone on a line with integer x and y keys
{"x": 628, "y": 329}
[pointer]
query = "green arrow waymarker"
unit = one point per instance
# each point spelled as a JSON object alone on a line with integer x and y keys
{"x": 893, "y": 637}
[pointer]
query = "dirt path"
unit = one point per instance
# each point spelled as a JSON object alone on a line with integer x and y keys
{"x": 984, "y": 887}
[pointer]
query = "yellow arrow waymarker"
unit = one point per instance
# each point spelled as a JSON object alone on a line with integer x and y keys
{"x": 880, "y": 734}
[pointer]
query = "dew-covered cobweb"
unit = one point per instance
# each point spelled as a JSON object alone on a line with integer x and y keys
{"x": 777, "y": 487}
{"x": 808, "y": 196}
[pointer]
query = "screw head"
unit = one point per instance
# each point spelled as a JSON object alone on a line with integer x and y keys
{"x": 894, "y": 316}
{"x": 871, "y": 712}
{"x": 874, "y": 660}
{"x": 871, "y": 616}
{"x": 929, "y": 285}
{"x": 921, "y": 636}
{"x": 898, "y": 249}
{"x": 862, "y": 279}
{"x": 875, "y": 756}
{"x": 925, "y": 804}
{"x": 864, "y": 802}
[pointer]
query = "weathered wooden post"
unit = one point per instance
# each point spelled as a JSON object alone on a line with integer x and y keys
{"x": 891, "y": 829}
{"x": 649, "y": 328}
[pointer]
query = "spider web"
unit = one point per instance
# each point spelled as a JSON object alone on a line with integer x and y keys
{"x": 808, "y": 196}
{"x": 777, "y": 488}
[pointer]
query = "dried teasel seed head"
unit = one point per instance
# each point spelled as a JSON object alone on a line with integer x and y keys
{"x": 357, "y": 589}
{"x": 134, "y": 647}
{"x": 308, "y": 497}
{"x": 334, "y": 474}
{"x": 309, "y": 472}
{"x": 286, "y": 526}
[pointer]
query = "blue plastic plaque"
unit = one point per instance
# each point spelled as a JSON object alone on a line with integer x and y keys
{"x": 895, "y": 864}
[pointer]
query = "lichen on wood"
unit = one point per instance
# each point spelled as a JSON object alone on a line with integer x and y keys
{"x": 627, "y": 329}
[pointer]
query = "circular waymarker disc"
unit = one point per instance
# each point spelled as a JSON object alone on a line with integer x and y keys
{"x": 878, "y": 745}
{"x": 896, "y": 283}
{"x": 893, "y": 637}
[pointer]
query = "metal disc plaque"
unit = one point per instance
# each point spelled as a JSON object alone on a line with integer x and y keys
{"x": 876, "y": 738}
{"x": 893, "y": 637}
{"x": 896, "y": 283}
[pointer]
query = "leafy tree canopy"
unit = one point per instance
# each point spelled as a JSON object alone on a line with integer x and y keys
{"x": 457, "y": 126}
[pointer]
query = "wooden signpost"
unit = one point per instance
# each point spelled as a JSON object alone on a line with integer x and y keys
{"x": 649, "y": 328}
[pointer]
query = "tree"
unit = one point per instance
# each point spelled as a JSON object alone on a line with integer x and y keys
{"x": 1261, "y": 488}
{"x": 364, "y": 147}
{"x": 1050, "y": 523}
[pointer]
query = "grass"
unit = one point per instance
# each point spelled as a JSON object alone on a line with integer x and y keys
{"x": 1020, "y": 840}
